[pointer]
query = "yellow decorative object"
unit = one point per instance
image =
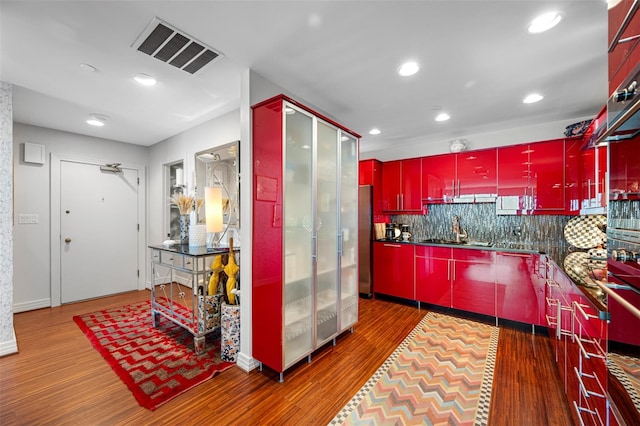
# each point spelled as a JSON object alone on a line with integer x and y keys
{"x": 216, "y": 267}
{"x": 231, "y": 270}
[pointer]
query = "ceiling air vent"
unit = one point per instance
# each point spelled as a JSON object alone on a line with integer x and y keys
{"x": 168, "y": 44}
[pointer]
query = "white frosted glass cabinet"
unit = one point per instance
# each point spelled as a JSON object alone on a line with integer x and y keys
{"x": 305, "y": 288}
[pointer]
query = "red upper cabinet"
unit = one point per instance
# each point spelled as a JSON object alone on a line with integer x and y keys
{"x": 624, "y": 177}
{"x": 547, "y": 175}
{"x": 531, "y": 178}
{"x": 466, "y": 176}
{"x": 476, "y": 174}
{"x": 402, "y": 186}
{"x": 624, "y": 56}
{"x": 438, "y": 178}
{"x": 369, "y": 172}
{"x": 573, "y": 175}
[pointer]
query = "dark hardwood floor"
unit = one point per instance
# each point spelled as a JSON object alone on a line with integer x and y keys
{"x": 58, "y": 378}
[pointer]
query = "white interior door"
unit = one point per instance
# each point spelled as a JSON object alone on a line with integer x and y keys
{"x": 98, "y": 231}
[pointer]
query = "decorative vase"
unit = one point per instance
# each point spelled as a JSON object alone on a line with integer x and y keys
{"x": 197, "y": 235}
{"x": 184, "y": 229}
{"x": 230, "y": 332}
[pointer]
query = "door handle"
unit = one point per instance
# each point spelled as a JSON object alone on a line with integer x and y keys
{"x": 67, "y": 240}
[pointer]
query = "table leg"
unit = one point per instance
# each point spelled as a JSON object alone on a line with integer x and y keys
{"x": 199, "y": 344}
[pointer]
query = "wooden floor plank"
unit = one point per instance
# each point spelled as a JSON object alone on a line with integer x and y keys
{"x": 58, "y": 378}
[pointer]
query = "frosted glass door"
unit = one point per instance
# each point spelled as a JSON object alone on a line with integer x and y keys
{"x": 298, "y": 233}
{"x": 327, "y": 226}
{"x": 349, "y": 224}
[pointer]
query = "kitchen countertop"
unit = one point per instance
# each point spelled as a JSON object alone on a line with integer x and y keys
{"x": 556, "y": 254}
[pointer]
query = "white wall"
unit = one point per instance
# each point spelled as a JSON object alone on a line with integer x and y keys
{"x": 32, "y": 253}
{"x": 8, "y": 342}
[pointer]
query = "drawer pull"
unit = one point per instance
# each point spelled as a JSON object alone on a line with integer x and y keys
{"x": 579, "y": 410}
{"x": 587, "y": 393}
{"x": 580, "y": 308}
{"x": 552, "y": 284}
{"x": 586, "y": 354}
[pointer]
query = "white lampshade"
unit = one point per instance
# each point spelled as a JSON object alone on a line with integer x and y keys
{"x": 213, "y": 208}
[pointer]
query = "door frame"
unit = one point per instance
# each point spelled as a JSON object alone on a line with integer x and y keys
{"x": 56, "y": 254}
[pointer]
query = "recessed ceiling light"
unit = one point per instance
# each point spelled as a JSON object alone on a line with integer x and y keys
{"x": 407, "y": 69}
{"x": 145, "y": 79}
{"x": 87, "y": 68}
{"x": 97, "y": 120}
{"x": 532, "y": 98}
{"x": 374, "y": 131}
{"x": 544, "y": 22}
{"x": 443, "y": 116}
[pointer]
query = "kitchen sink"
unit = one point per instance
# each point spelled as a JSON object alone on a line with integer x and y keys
{"x": 458, "y": 243}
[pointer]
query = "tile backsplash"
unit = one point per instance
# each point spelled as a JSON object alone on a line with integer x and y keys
{"x": 482, "y": 224}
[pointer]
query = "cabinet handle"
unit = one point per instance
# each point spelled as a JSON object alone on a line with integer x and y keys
{"x": 589, "y": 192}
{"x": 549, "y": 283}
{"x": 526, "y": 255}
{"x": 453, "y": 187}
{"x": 393, "y": 245}
{"x": 397, "y": 201}
{"x": 459, "y": 188}
{"x": 586, "y": 354}
{"x": 314, "y": 247}
{"x": 579, "y": 308}
{"x": 340, "y": 243}
{"x": 587, "y": 393}
{"x": 580, "y": 410}
{"x": 401, "y": 201}
{"x": 448, "y": 269}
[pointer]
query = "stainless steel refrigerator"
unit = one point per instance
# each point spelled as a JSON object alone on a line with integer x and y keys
{"x": 365, "y": 227}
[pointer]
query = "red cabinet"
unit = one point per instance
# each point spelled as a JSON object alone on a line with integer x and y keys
{"x": 401, "y": 186}
{"x": 433, "y": 275}
{"x": 476, "y": 173}
{"x": 463, "y": 177}
{"x": 518, "y": 294}
{"x": 438, "y": 178}
{"x": 623, "y": 326}
{"x": 624, "y": 175}
{"x": 624, "y": 56}
{"x": 393, "y": 270}
{"x": 531, "y": 178}
{"x": 473, "y": 281}
{"x": 370, "y": 173}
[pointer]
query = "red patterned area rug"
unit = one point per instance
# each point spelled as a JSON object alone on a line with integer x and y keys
{"x": 441, "y": 374}
{"x": 157, "y": 364}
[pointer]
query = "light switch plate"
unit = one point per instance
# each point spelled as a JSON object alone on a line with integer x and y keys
{"x": 28, "y": 218}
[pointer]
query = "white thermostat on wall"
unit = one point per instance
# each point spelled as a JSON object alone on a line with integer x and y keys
{"x": 33, "y": 153}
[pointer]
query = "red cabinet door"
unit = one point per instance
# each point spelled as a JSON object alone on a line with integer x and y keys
{"x": 516, "y": 295}
{"x": 623, "y": 326}
{"x": 438, "y": 178}
{"x": 546, "y": 177}
{"x": 574, "y": 175}
{"x": 365, "y": 172}
{"x": 391, "y": 175}
{"x": 473, "y": 281}
{"x": 411, "y": 185}
{"x": 433, "y": 275}
{"x": 393, "y": 270}
{"x": 513, "y": 172}
{"x": 476, "y": 173}
{"x": 624, "y": 170}
{"x": 624, "y": 56}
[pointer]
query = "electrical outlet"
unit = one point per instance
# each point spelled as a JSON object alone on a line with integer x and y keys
{"x": 28, "y": 218}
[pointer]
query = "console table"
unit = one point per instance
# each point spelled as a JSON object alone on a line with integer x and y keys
{"x": 180, "y": 277}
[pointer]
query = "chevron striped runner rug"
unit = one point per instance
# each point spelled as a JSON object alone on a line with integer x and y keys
{"x": 156, "y": 364}
{"x": 627, "y": 371}
{"x": 441, "y": 374}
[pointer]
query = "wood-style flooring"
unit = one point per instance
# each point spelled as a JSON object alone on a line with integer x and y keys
{"x": 59, "y": 378}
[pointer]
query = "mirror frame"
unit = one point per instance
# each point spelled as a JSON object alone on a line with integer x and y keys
{"x": 220, "y": 166}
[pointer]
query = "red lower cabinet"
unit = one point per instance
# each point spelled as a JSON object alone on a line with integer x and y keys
{"x": 433, "y": 275}
{"x": 473, "y": 281}
{"x": 518, "y": 295}
{"x": 393, "y": 269}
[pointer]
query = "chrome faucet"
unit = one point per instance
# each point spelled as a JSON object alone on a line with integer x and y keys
{"x": 457, "y": 229}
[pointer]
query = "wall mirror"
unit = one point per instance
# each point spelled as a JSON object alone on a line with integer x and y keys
{"x": 219, "y": 167}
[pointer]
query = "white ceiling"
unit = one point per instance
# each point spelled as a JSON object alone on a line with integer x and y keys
{"x": 477, "y": 63}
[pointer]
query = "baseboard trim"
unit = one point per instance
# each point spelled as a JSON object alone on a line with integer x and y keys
{"x": 31, "y": 305}
{"x": 246, "y": 362}
{"x": 10, "y": 347}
